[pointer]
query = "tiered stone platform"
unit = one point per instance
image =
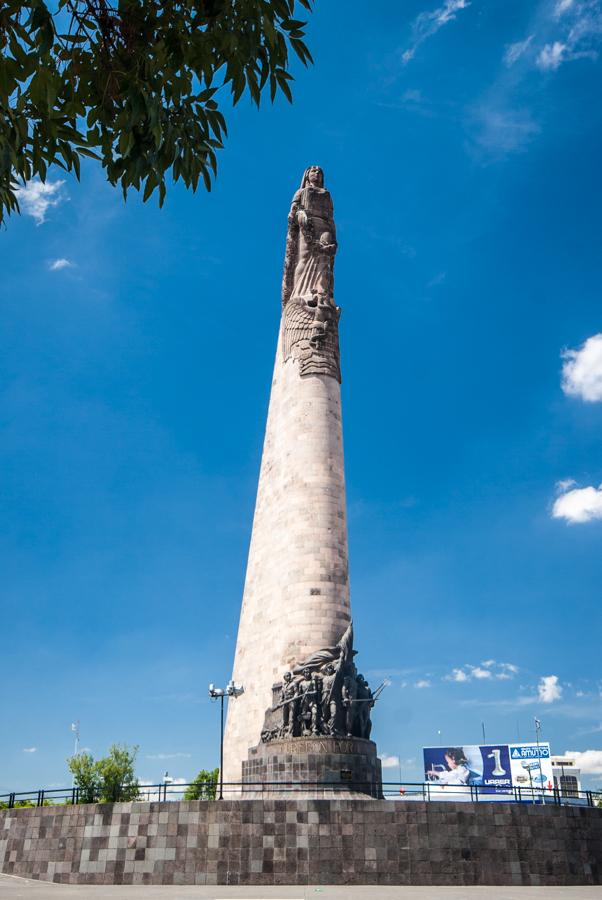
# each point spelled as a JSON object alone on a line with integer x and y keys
{"x": 330, "y": 766}
{"x": 304, "y": 842}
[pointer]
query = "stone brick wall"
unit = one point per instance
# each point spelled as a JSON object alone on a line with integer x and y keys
{"x": 304, "y": 842}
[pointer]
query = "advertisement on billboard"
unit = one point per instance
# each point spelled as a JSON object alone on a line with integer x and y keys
{"x": 493, "y": 768}
{"x": 531, "y": 766}
{"x": 487, "y": 766}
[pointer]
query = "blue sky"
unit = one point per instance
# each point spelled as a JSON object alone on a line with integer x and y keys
{"x": 461, "y": 143}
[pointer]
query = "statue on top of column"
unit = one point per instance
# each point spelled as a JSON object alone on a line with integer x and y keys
{"x": 310, "y": 316}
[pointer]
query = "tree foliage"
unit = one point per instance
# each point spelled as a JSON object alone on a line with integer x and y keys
{"x": 134, "y": 84}
{"x": 86, "y": 777}
{"x": 111, "y": 779}
{"x": 203, "y": 787}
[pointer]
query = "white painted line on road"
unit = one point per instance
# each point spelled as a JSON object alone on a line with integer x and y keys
{"x": 28, "y": 880}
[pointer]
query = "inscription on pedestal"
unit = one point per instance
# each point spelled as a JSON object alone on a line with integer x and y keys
{"x": 317, "y": 745}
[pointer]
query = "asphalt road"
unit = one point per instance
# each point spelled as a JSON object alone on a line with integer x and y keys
{"x": 23, "y": 889}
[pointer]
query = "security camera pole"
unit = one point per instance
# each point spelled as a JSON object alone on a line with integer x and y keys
{"x": 231, "y": 690}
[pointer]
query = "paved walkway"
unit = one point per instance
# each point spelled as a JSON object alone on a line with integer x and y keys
{"x": 23, "y": 889}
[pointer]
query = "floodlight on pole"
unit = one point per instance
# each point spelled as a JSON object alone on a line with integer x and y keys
{"x": 167, "y": 779}
{"x": 75, "y": 730}
{"x": 231, "y": 690}
{"x": 537, "y": 738}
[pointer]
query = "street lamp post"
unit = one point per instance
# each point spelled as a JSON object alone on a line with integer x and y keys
{"x": 537, "y": 734}
{"x": 167, "y": 779}
{"x": 231, "y": 690}
{"x": 75, "y": 730}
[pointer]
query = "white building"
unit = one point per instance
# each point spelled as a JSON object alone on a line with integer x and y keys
{"x": 566, "y": 776}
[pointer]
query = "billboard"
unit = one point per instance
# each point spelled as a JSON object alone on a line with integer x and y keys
{"x": 486, "y": 765}
{"x": 492, "y": 768}
{"x": 531, "y": 766}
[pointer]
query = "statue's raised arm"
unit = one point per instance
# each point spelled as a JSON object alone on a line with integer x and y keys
{"x": 310, "y": 326}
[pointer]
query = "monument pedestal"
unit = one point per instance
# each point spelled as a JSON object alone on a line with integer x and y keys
{"x": 330, "y": 767}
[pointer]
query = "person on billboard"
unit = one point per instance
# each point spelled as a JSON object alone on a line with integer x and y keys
{"x": 457, "y": 771}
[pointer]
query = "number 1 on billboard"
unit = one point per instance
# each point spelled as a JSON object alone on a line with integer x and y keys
{"x": 497, "y": 769}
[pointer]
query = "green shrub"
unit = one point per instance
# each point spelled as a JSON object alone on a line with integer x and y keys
{"x": 204, "y": 786}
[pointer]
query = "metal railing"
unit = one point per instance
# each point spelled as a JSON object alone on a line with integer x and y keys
{"x": 391, "y": 790}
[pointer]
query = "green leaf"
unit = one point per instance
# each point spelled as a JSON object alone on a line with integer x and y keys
{"x": 142, "y": 106}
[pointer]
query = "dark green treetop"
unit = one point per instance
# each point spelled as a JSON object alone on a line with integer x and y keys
{"x": 134, "y": 84}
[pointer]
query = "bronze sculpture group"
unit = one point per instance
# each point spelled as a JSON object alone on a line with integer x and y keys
{"x": 324, "y": 695}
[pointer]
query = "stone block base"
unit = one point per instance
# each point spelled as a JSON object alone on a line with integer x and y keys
{"x": 313, "y": 767}
{"x": 298, "y": 842}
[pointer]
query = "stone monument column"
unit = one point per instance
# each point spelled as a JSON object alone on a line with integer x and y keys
{"x": 296, "y": 595}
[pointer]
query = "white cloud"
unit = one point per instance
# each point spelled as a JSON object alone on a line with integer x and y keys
{"x": 488, "y": 669}
{"x": 514, "y": 51}
{"x": 389, "y": 762}
{"x": 564, "y": 484}
{"x": 55, "y": 265}
{"x": 499, "y": 130}
{"x": 423, "y": 683}
{"x": 506, "y": 671}
{"x": 589, "y": 761}
{"x": 579, "y": 505}
{"x": 580, "y": 24}
{"x": 168, "y": 755}
{"x": 37, "y": 197}
{"x": 457, "y": 675}
{"x": 30, "y": 749}
{"x": 549, "y": 689}
{"x": 480, "y": 673}
{"x": 582, "y": 370}
{"x": 427, "y": 23}
{"x": 552, "y": 55}
{"x": 562, "y": 6}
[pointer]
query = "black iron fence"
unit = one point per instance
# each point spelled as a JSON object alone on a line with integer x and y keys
{"x": 391, "y": 790}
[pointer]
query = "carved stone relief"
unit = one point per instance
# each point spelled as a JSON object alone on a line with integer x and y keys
{"x": 310, "y": 331}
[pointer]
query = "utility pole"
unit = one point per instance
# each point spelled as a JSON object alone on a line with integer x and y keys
{"x": 75, "y": 730}
{"x": 537, "y": 734}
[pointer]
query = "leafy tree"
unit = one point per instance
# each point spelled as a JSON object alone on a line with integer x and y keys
{"x": 117, "y": 777}
{"x": 203, "y": 787}
{"x": 108, "y": 780}
{"x": 85, "y": 777}
{"x": 134, "y": 84}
